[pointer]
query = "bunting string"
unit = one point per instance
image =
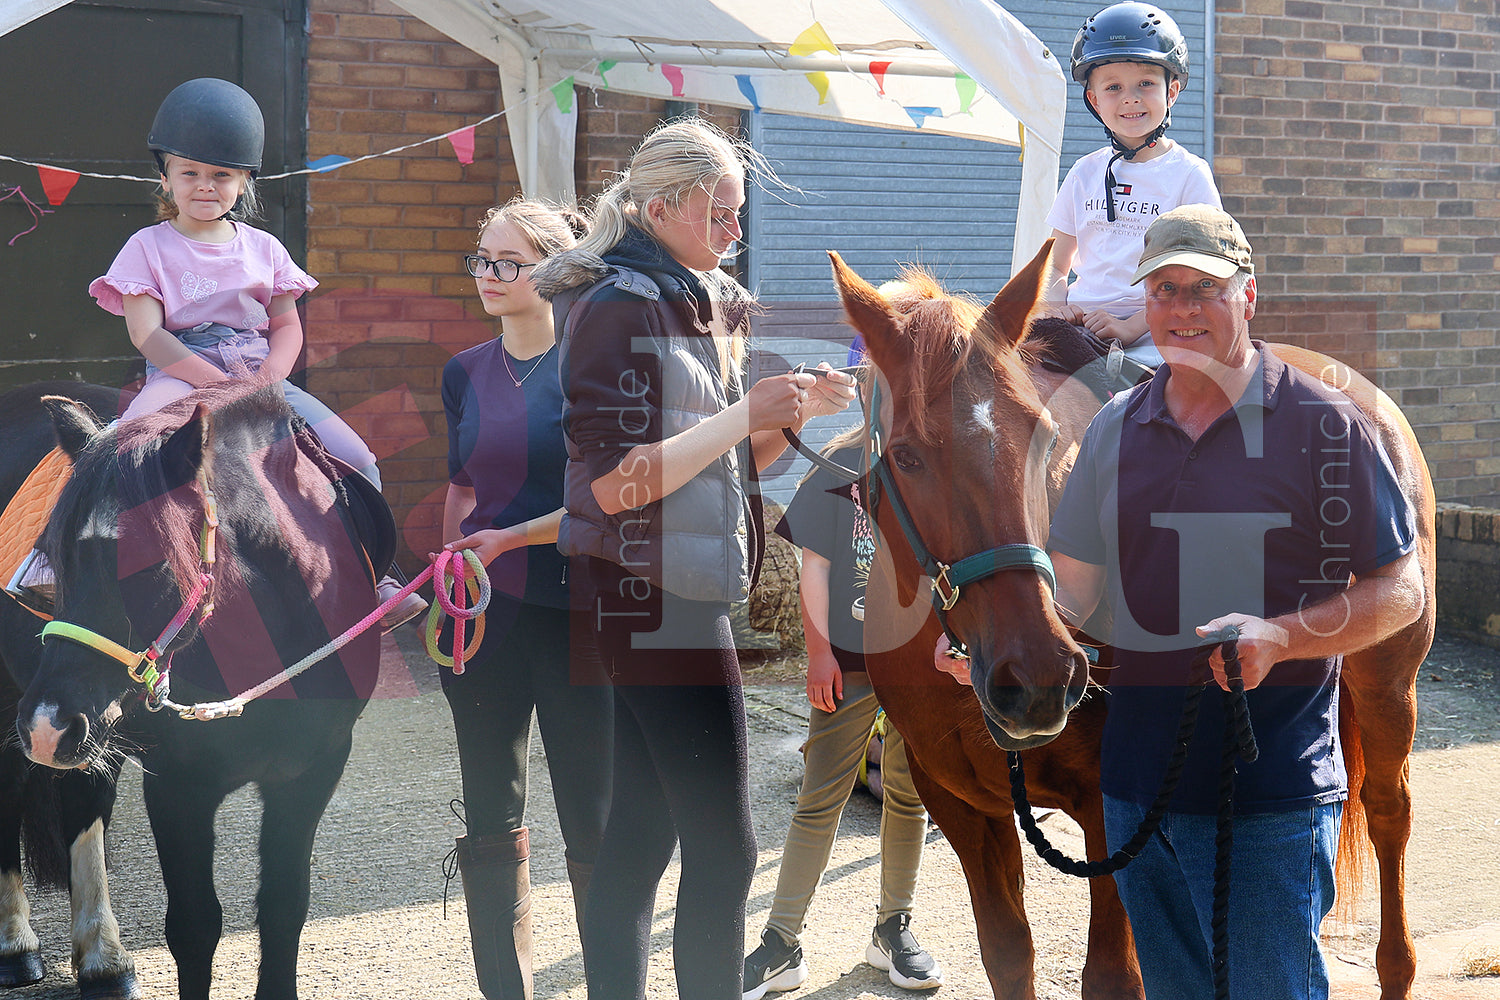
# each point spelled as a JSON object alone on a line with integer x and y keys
{"x": 58, "y": 181}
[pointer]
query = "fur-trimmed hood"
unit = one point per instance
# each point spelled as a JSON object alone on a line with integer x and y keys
{"x": 639, "y": 251}
{"x": 569, "y": 269}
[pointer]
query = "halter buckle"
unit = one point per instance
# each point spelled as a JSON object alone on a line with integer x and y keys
{"x": 944, "y": 588}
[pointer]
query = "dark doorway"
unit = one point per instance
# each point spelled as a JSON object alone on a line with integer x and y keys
{"x": 82, "y": 85}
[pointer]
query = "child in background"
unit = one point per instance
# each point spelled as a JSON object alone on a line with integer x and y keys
{"x": 825, "y": 518}
{"x": 207, "y": 297}
{"x": 1132, "y": 60}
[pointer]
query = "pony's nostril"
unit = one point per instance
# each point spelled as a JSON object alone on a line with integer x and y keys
{"x": 74, "y": 737}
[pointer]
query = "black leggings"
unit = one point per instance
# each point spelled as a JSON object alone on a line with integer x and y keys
{"x": 681, "y": 773}
{"x": 525, "y": 663}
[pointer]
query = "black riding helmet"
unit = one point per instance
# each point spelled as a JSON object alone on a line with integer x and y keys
{"x": 211, "y": 121}
{"x": 1129, "y": 32}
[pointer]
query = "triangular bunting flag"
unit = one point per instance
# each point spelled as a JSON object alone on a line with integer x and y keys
{"x": 919, "y": 116}
{"x": 820, "y": 84}
{"x": 463, "y": 144}
{"x": 967, "y": 88}
{"x": 877, "y": 70}
{"x": 748, "y": 89}
{"x": 814, "y": 39}
{"x": 326, "y": 163}
{"x": 562, "y": 92}
{"x": 605, "y": 67}
{"x": 674, "y": 77}
{"x": 57, "y": 182}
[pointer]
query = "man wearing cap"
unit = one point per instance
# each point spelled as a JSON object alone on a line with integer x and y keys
{"x": 1229, "y": 490}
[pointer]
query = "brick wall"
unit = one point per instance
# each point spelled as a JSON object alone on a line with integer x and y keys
{"x": 1468, "y": 572}
{"x": 1357, "y": 144}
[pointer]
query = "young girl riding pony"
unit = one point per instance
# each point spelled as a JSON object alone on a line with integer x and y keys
{"x": 206, "y": 296}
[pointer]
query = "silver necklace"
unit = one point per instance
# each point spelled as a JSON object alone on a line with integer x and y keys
{"x": 505, "y": 357}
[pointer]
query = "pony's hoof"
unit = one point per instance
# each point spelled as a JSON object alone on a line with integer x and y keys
{"x": 116, "y": 986}
{"x": 21, "y": 969}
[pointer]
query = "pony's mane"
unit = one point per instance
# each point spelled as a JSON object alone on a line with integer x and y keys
{"x": 163, "y": 517}
{"x": 945, "y": 334}
{"x": 148, "y": 430}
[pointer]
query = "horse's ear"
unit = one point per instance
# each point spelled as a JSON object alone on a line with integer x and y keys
{"x": 1007, "y": 317}
{"x": 868, "y": 311}
{"x": 185, "y": 451}
{"x": 75, "y": 423}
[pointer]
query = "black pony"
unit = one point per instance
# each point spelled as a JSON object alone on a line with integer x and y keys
{"x": 224, "y": 512}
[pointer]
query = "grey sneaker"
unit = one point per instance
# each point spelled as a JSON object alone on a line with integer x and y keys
{"x": 408, "y": 608}
{"x": 774, "y": 967}
{"x": 893, "y": 948}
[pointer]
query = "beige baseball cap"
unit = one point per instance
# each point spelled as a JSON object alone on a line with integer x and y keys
{"x": 1198, "y": 236}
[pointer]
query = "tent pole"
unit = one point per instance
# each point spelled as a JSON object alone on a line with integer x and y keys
{"x": 533, "y": 123}
{"x": 530, "y": 156}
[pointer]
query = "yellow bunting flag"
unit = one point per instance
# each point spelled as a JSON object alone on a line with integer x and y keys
{"x": 820, "y": 84}
{"x": 814, "y": 39}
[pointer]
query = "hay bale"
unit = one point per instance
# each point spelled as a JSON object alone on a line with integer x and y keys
{"x": 773, "y": 617}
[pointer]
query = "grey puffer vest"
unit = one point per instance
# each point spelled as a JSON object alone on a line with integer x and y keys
{"x": 698, "y": 542}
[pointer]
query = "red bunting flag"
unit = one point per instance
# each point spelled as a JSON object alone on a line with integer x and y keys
{"x": 877, "y": 70}
{"x": 674, "y": 77}
{"x": 463, "y": 144}
{"x": 57, "y": 182}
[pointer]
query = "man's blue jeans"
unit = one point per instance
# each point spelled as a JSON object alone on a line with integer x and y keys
{"x": 1281, "y": 888}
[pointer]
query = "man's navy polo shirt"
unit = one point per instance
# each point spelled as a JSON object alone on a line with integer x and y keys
{"x": 1270, "y": 510}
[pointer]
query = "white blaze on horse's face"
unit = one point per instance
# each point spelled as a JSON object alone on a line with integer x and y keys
{"x": 984, "y": 415}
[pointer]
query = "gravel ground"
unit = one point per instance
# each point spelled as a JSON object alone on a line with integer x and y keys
{"x": 378, "y": 928}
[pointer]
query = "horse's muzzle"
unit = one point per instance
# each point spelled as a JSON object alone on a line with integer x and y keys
{"x": 57, "y": 741}
{"x": 1023, "y": 715}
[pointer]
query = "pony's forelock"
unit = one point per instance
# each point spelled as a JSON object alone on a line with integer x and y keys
{"x": 944, "y": 333}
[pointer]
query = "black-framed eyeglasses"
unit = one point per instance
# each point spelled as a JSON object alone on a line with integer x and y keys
{"x": 503, "y": 269}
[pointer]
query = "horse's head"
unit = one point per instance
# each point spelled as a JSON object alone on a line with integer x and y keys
{"x": 966, "y": 441}
{"x": 132, "y": 551}
{"x": 77, "y": 697}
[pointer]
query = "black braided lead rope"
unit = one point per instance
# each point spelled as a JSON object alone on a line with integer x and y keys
{"x": 1149, "y": 824}
{"x": 1239, "y": 743}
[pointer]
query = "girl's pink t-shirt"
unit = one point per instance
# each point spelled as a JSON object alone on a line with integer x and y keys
{"x": 230, "y": 283}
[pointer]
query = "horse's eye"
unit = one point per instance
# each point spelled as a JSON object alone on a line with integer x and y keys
{"x": 905, "y": 459}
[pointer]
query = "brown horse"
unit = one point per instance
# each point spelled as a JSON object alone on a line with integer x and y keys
{"x": 979, "y": 434}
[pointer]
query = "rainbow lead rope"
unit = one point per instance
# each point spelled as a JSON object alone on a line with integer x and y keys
{"x": 468, "y": 578}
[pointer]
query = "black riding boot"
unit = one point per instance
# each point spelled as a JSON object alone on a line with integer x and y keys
{"x": 497, "y": 888}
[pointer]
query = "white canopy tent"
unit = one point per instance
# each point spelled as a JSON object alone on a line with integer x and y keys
{"x": 956, "y": 67}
